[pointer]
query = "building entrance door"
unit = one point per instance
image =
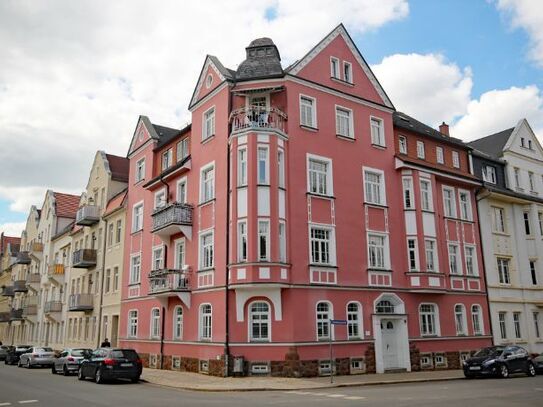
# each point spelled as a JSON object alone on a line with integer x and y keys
{"x": 114, "y": 330}
{"x": 389, "y": 337}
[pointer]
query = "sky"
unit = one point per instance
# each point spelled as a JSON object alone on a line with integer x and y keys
{"x": 75, "y": 75}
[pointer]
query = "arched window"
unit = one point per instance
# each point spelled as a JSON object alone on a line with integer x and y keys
{"x": 384, "y": 307}
{"x": 354, "y": 330}
{"x": 178, "y": 323}
{"x": 205, "y": 322}
{"x": 460, "y": 319}
{"x": 259, "y": 321}
{"x": 477, "y": 319}
{"x": 132, "y": 324}
{"x": 429, "y": 320}
{"x": 155, "y": 323}
{"x": 324, "y": 315}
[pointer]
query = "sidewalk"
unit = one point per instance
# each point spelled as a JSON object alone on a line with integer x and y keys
{"x": 199, "y": 382}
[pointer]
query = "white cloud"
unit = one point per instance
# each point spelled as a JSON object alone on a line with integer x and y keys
{"x": 528, "y": 15}
{"x": 12, "y": 229}
{"x": 75, "y": 75}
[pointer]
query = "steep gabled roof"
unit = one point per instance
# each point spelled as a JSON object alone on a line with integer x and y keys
{"x": 167, "y": 134}
{"x": 404, "y": 121}
{"x": 66, "y": 205}
{"x": 116, "y": 202}
{"x": 222, "y": 72}
{"x": 493, "y": 145}
{"x": 119, "y": 167}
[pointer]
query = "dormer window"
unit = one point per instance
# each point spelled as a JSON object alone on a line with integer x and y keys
{"x": 489, "y": 174}
{"x": 334, "y": 67}
{"x": 167, "y": 159}
{"x": 347, "y": 72}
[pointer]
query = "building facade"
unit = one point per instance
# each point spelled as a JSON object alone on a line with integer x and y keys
{"x": 9, "y": 248}
{"x": 510, "y": 164}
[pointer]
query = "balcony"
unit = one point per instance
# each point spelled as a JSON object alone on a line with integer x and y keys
{"x": 52, "y": 307}
{"x": 23, "y": 258}
{"x": 172, "y": 219}
{"x": 84, "y": 258}
{"x": 33, "y": 281}
{"x": 7, "y": 291}
{"x": 19, "y": 286}
{"x": 81, "y": 302}
{"x": 16, "y": 314}
{"x": 56, "y": 272}
{"x": 87, "y": 215}
{"x": 36, "y": 250}
{"x": 4, "y": 316}
{"x": 30, "y": 308}
{"x": 258, "y": 118}
{"x": 168, "y": 281}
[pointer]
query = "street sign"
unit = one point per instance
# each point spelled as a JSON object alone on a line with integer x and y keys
{"x": 338, "y": 322}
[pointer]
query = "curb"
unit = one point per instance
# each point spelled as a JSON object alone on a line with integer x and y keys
{"x": 333, "y": 386}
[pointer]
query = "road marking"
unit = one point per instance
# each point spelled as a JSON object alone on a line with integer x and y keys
{"x": 354, "y": 398}
{"x": 27, "y": 401}
{"x": 5, "y": 404}
{"x": 335, "y": 395}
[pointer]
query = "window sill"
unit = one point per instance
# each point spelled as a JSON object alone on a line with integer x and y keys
{"x": 338, "y": 80}
{"x": 141, "y": 181}
{"x": 379, "y": 146}
{"x": 379, "y": 270}
{"x": 345, "y": 138}
{"x": 205, "y": 269}
{"x": 505, "y": 234}
{"x": 314, "y": 194}
{"x": 309, "y": 128}
{"x": 323, "y": 266}
{"x": 377, "y": 205}
{"x": 427, "y": 211}
{"x": 207, "y": 140}
{"x": 136, "y": 232}
{"x": 204, "y": 203}
{"x": 134, "y": 284}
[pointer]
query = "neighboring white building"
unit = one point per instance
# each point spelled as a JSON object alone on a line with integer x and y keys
{"x": 511, "y": 217}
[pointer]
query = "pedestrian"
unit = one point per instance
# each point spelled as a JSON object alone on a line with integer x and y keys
{"x": 105, "y": 344}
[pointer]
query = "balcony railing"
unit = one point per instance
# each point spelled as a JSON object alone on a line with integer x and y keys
{"x": 36, "y": 247}
{"x": 81, "y": 302}
{"x": 33, "y": 278}
{"x": 7, "y": 291}
{"x": 4, "y": 316}
{"x": 164, "y": 281}
{"x": 23, "y": 258}
{"x": 30, "y": 306}
{"x": 16, "y": 314}
{"x": 52, "y": 306}
{"x": 87, "y": 215}
{"x": 56, "y": 270}
{"x": 84, "y": 258}
{"x": 172, "y": 219}
{"x": 257, "y": 117}
{"x": 19, "y": 286}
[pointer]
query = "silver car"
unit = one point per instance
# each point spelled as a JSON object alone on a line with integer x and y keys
{"x": 37, "y": 356}
{"x": 69, "y": 360}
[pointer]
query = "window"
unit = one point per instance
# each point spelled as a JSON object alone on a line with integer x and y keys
{"x": 132, "y": 324}
{"x": 321, "y": 245}
{"x": 209, "y": 124}
{"x": 535, "y": 315}
{"x": 264, "y": 240}
{"x": 205, "y": 322}
{"x": 353, "y": 321}
{"x": 115, "y": 279}
{"x": 347, "y": 72}
{"x": 384, "y": 307}
{"x": 489, "y": 174}
{"x": 471, "y": 261}
{"x": 179, "y": 254}
{"x": 540, "y": 220}
{"x": 530, "y": 144}
{"x": 476, "y": 319}
{"x": 107, "y": 287}
{"x": 158, "y": 258}
{"x": 460, "y": 319}
{"x": 408, "y": 197}
{"x": 320, "y": 176}
{"x": 119, "y": 231}
{"x": 259, "y": 320}
{"x": 182, "y": 190}
{"x": 167, "y": 158}
{"x": 137, "y": 218}
{"x": 454, "y": 260}
{"x": 374, "y": 187}
{"x": 498, "y": 219}
{"x": 334, "y": 67}
{"x": 155, "y": 323}
{"x": 531, "y": 180}
{"x": 183, "y": 149}
{"x": 526, "y": 217}
{"x": 242, "y": 241}
{"x": 533, "y": 272}
{"x": 420, "y": 150}
{"x": 456, "y": 159}
{"x": 426, "y": 195}
{"x": 430, "y": 249}
{"x": 412, "y": 255}
{"x": 242, "y": 167}
{"x": 308, "y": 112}
{"x": 402, "y": 144}
{"x": 135, "y": 269}
{"x": 160, "y": 199}
{"x": 140, "y": 170}
{"x": 110, "y": 234}
{"x": 206, "y": 250}
{"x": 503, "y": 326}
{"x": 439, "y": 155}
{"x": 178, "y": 323}
{"x": 207, "y": 188}
{"x": 522, "y": 142}
{"x": 323, "y": 321}
{"x": 377, "y": 132}
{"x": 517, "y": 177}
{"x": 282, "y": 242}
{"x": 503, "y": 271}
{"x": 428, "y": 316}
{"x": 263, "y": 166}
{"x": 344, "y": 125}
{"x": 281, "y": 168}
{"x": 516, "y": 324}
{"x": 465, "y": 205}
{"x": 449, "y": 204}
{"x": 376, "y": 251}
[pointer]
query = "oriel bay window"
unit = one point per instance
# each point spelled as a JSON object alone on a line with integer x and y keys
{"x": 408, "y": 197}
{"x": 264, "y": 240}
{"x": 322, "y": 245}
{"x": 259, "y": 320}
{"x": 263, "y": 165}
{"x": 412, "y": 254}
{"x": 242, "y": 241}
{"x": 431, "y": 258}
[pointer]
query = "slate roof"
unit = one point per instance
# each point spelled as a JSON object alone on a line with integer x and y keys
{"x": 262, "y": 61}
{"x": 66, "y": 205}
{"x": 119, "y": 167}
{"x": 167, "y": 134}
{"x": 493, "y": 145}
{"x": 404, "y": 121}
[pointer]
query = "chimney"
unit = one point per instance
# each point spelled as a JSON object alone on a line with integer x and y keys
{"x": 444, "y": 129}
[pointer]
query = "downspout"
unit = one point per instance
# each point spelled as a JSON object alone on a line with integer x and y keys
{"x": 102, "y": 284}
{"x": 165, "y": 261}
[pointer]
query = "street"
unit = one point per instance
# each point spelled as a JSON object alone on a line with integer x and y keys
{"x": 38, "y": 387}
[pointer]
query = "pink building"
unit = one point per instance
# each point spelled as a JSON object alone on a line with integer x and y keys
{"x": 279, "y": 209}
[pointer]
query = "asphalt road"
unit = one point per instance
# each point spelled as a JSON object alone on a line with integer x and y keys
{"x": 38, "y": 387}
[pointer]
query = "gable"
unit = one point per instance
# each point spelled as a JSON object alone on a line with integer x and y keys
{"x": 524, "y": 142}
{"x": 316, "y": 66}
{"x": 212, "y": 69}
{"x": 144, "y": 132}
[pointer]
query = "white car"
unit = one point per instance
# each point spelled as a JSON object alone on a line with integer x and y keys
{"x": 37, "y": 356}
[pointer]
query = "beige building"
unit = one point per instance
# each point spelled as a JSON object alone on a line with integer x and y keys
{"x": 9, "y": 247}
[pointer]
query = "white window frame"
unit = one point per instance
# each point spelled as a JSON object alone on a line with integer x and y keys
{"x": 502, "y": 322}
{"x": 252, "y": 314}
{"x": 201, "y": 251}
{"x": 456, "y": 159}
{"x": 140, "y": 170}
{"x": 242, "y": 239}
{"x": 408, "y": 192}
{"x": 208, "y": 123}
{"x": 504, "y": 273}
{"x": 135, "y": 278}
{"x": 137, "y": 220}
{"x": 385, "y": 248}
{"x": 132, "y": 324}
{"x": 435, "y": 258}
{"x": 421, "y": 153}
{"x": 266, "y": 235}
{"x": 498, "y": 222}
{"x": 205, "y": 325}
{"x": 382, "y": 186}
{"x": 402, "y": 144}
{"x": 454, "y": 258}
{"x": 380, "y": 140}
{"x": 177, "y": 331}
{"x": 242, "y": 166}
{"x": 440, "y": 158}
{"x": 336, "y": 74}
{"x": 281, "y": 168}
{"x": 154, "y": 323}
{"x": 177, "y": 244}
{"x": 203, "y": 171}
{"x": 312, "y": 110}
{"x": 489, "y": 177}
{"x": 415, "y": 252}
{"x": 321, "y": 322}
{"x": 425, "y": 315}
{"x": 473, "y": 256}
{"x": 354, "y": 322}
{"x": 517, "y": 324}
{"x": 182, "y": 149}
{"x": 516, "y": 175}
{"x": 183, "y": 181}
{"x": 466, "y": 214}
{"x": 282, "y": 234}
{"x": 348, "y": 72}
{"x": 429, "y": 195}
{"x": 329, "y": 176}
{"x": 477, "y": 320}
{"x": 167, "y": 159}
{"x": 157, "y": 202}
{"x": 463, "y": 320}
{"x": 452, "y": 213}
{"x": 157, "y": 263}
{"x": 531, "y": 181}
{"x": 331, "y": 245}
{"x": 263, "y": 179}
{"x": 350, "y": 120}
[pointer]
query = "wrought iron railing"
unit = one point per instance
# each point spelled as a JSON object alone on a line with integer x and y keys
{"x": 87, "y": 215}
{"x": 84, "y": 258}
{"x": 258, "y": 117}
{"x": 52, "y": 306}
{"x": 81, "y": 302}
{"x": 161, "y": 281}
{"x": 173, "y": 214}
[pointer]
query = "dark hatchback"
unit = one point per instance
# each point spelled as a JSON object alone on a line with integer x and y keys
{"x": 14, "y": 354}
{"x": 107, "y": 364}
{"x": 538, "y": 362}
{"x": 499, "y": 361}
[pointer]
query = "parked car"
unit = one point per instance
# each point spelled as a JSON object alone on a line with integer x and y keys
{"x": 538, "y": 363}
{"x": 69, "y": 360}
{"x": 499, "y": 361}
{"x": 14, "y": 353}
{"x": 106, "y": 364}
{"x": 4, "y": 349}
{"x": 37, "y": 356}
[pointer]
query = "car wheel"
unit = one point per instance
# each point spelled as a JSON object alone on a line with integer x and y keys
{"x": 98, "y": 376}
{"x": 135, "y": 379}
{"x": 531, "y": 370}
{"x": 19, "y": 364}
{"x": 28, "y": 365}
{"x": 53, "y": 370}
{"x": 65, "y": 371}
{"x": 80, "y": 374}
{"x": 504, "y": 372}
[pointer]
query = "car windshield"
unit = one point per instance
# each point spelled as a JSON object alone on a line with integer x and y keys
{"x": 79, "y": 352}
{"x": 43, "y": 350}
{"x": 124, "y": 353}
{"x": 486, "y": 352}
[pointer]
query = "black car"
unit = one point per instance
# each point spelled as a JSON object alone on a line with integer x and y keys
{"x": 499, "y": 361}
{"x": 14, "y": 354}
{"x": 106, "y": 364}
{"x": 538, "y": 363}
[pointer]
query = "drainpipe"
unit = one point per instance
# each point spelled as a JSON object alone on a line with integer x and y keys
{"x": 104, "y": 235}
